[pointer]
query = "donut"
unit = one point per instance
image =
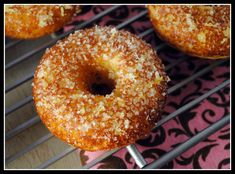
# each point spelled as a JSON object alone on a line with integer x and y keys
{"x": 100, "y": 88}
{"x": 197, "y": 30}
{"x": 34, "y": 21}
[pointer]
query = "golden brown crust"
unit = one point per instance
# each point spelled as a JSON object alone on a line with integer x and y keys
{"x": 97, "y": 122}
{"x": 33, "y": 21}
{"x": 198, "y": 30}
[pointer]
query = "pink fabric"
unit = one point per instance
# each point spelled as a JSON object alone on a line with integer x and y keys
{"x": 206, "y": 155}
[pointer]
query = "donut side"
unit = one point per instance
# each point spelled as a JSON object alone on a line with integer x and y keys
{"x": 201, "y": 31}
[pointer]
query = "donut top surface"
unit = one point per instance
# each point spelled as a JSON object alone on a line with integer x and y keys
{"x": 69, "y": 108}
{"x": 200, "y": 30}
{"x": 31, "y": 21}
{"x": 43, "y": 13}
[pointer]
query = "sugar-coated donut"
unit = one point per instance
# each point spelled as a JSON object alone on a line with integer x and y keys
{"x": 198, "y": 30}
{"x": 33, "y": 21}
{"x": 100, "y": 88}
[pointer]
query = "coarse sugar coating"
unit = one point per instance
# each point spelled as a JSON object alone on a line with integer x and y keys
{"x": 71, "y": 110}
{"x": 34, "y": 21}
{"x": 198, "y": 30}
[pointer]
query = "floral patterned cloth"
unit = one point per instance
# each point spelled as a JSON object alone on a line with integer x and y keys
{"x": 212, "y": 153}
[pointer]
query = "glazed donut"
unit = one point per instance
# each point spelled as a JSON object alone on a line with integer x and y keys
{"x": 34, "y": 21}
{"x": 100, "y": 88}
{"x": 198, "y": 30}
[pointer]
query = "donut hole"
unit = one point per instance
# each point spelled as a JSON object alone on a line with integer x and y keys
{"x": 101, "y": 89}
{"x": 99, "y": 83}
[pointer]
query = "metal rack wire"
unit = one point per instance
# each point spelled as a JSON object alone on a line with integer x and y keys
{"x": 140, "y": 161}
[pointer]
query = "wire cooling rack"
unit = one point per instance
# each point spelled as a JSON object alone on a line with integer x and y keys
{"x": 139, "y": 159}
